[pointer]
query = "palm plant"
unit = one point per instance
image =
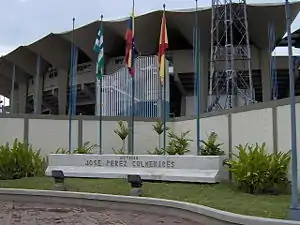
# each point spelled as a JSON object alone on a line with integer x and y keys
{"x": 87, "y": 148}
{"x": 210, "y": 146}
{"x": 158, "y": 127}
{"x": 122, "y": 131}
{"x": 179, "y": 144}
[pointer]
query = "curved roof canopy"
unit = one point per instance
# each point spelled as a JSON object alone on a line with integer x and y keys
{"x": 55, "y": 48}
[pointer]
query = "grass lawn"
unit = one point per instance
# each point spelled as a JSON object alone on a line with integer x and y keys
{"x": 219, "y": 196}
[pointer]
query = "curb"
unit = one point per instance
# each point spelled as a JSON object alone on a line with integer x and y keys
{"x": 194, "y": 212}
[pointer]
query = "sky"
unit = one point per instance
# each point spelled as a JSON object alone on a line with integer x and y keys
{"x": 24, "y": 21}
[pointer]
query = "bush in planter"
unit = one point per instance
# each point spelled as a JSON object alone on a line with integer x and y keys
{"x": 122, "y": 131}
{"x": 178, "y": 144}
{"x": 20, "y": 160}
{"x": 87, "y": 148}
{"x": 210, "y": 146}
{"x": 159, "y": 129}
{"x": 157, "y": 151}
{"x": 256, "y": 171}
{"x": 120, "y": 151}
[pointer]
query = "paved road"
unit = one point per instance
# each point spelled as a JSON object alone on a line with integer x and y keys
{"x": 42, "y": 214}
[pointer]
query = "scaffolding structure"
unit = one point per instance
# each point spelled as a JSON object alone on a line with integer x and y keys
{"x": 230, "y": 83}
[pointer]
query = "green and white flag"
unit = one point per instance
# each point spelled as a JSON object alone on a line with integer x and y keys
{"x": 98, "y": 48}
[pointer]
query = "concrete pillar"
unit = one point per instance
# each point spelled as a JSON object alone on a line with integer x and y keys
{"x": 266, "y": 79}
{"x": 38, "y": 88}
{"x": 12, "y": 91}
{"x": 22, "y": 97}
{"x": 183, "y": 105}
{"x": 14, "y": 103}
{"x": 62, "y": 78}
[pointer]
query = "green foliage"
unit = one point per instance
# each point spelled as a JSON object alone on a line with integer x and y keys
{"x": 210, "y": 146}
{"x": 156, "y": 151}
{"x": 257, "y": 171}
{"x": 178, "y": 144}
{"x": 120, "y": 151}
{"x": 62, "y": 151}
{"x": 122, "y": 131}
{"x": 20, "y": 160}
{"x": 159, "y": 127}
{"x": 87, "y": 148}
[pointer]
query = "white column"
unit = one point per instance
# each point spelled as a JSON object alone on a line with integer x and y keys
{"x": 22, "y": 97}
{"x": 12, "y": 91}
{"x": 38, "y": 92}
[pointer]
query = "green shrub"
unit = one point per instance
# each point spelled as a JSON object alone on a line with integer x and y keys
{"x": 20, "y": 160}
{"x": 158, "y": 127}
{"x": 62, "y": 151}
{"x": 210, "y": 146}
{"x": 120, "y": 151}
{"x": 256, "y": 171}
{"x": 87, "y": 148}
{"x": 156, "y": 151}
{"x": 178, "y": 144}
{"x": 122, "y": 131}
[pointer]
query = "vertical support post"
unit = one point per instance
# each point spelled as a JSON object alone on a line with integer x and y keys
{"x": 198, "y": 78}
{"x": 74, "y": 77}
{"x": 132, "y": 116}
{"x": 37, "y": 87}
{"x": 294, "y": 210}
{"x": 12, "y": 92}
{"x": 71, "y": 87}
{"x": 165, "y": 110}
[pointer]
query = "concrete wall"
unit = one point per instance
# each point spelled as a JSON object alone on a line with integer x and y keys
{"x": 264, "y": 122}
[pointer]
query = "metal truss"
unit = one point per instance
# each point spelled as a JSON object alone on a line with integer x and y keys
{"x": 230, "y": 83}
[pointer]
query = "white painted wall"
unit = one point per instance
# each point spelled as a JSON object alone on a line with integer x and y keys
{"x": 284, "y": 132}
{"x": 49, "y": 135}
{"x": 145, "y": 138}
{"x": 10, "y": 129}
{"x": 218, "y": 124}
{"x": 247, "y": 127}
{"x": 109, "y": 139}
{"x": 253, "y": 127}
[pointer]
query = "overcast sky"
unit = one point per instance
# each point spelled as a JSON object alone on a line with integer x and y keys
{"x": 24, "y": 21}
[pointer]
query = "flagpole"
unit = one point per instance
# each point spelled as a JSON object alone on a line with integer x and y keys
{"x": 71, "y": 84}
{"x": 197, "y": 71}
{"x": 132, "y": 90}
{"x": 100, "y": 98}
{"x": 294, "y": 210}
{"x": 164, "y": 98}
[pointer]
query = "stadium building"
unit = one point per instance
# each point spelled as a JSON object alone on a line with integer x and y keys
{"x": 36, "y": 77}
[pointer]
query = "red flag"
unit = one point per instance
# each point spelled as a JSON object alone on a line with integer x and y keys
{"x": 163, "y": 45}
{"x": 130, "y": 45}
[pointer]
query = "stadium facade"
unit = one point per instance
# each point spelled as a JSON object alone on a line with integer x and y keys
{"x": 36, "y": 77}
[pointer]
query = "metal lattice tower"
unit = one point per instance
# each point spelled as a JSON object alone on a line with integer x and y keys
{"x": 230, "y": 82}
